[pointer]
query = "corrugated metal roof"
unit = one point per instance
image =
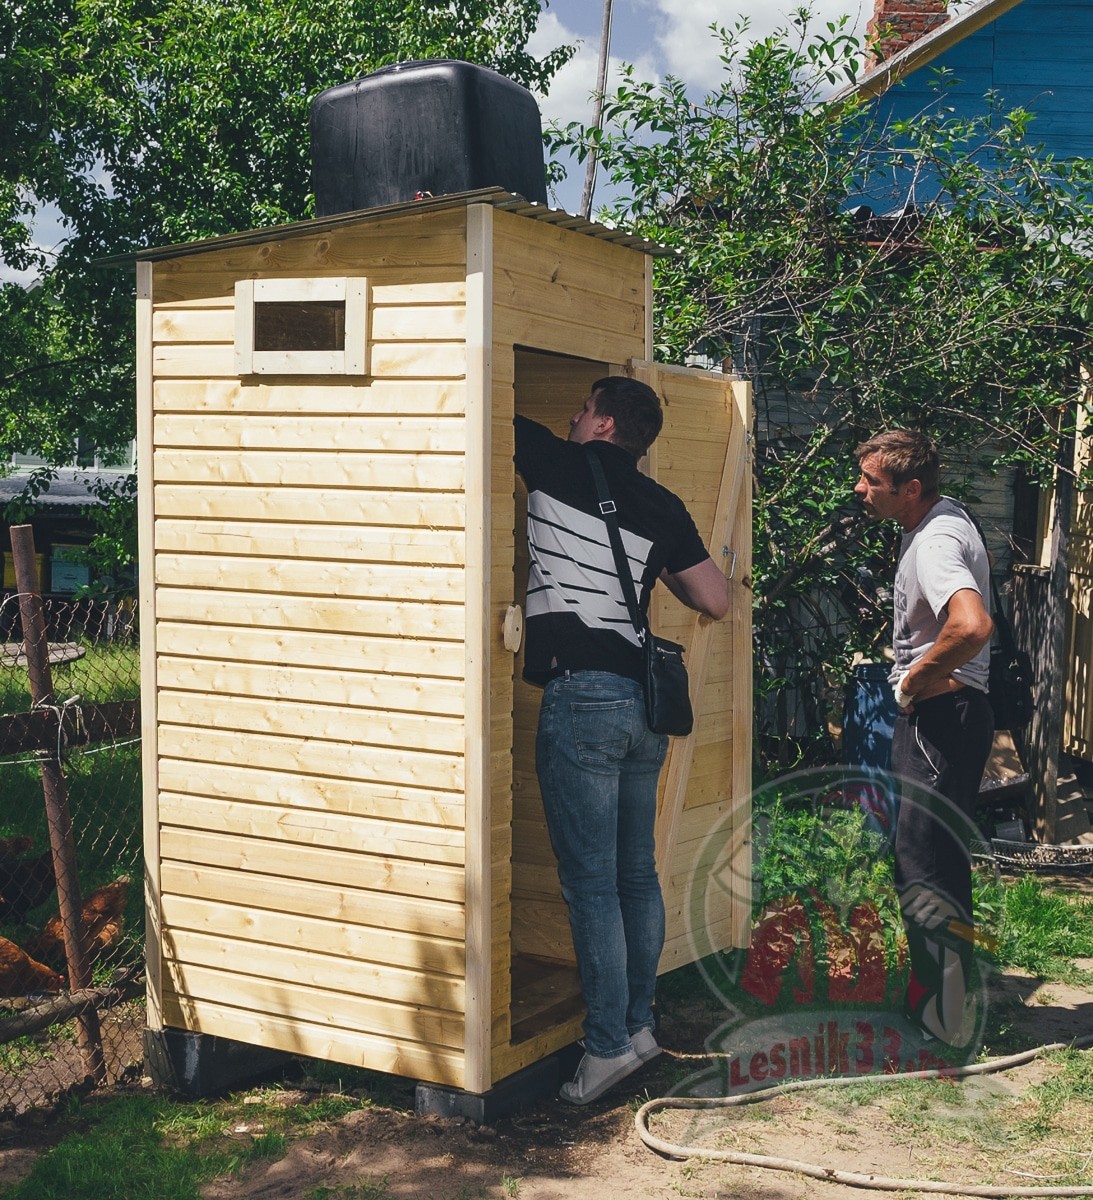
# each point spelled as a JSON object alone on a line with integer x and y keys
{"x": 496, "y": 197}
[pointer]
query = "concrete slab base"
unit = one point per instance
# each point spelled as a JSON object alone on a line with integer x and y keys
{"x": 524, "y": 1089}
{"x": 200, "y": 1064}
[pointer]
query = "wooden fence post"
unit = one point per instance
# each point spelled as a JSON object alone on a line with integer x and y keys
{"x": 55, "y": 793}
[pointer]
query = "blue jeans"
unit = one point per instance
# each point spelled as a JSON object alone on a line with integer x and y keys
{"x": 598, "y": 766}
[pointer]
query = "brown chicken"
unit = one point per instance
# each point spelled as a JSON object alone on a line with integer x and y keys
{"x": 101, "y": 919}
{"x": 24, "y": 884}
{"x": 20, "y": 974}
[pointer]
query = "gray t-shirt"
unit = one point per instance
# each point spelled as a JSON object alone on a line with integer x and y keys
{"x": 941, "y": 555}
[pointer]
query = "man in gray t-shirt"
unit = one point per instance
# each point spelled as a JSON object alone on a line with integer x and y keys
{"x": 945, "y": 728}
{"x": 939, "y": 557}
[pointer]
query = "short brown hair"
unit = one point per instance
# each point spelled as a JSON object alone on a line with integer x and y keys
{"x": 905, "y": 454}
{"x": 635, "y": 409}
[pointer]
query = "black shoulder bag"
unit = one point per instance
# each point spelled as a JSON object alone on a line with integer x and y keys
{"x": 664, "y": 682}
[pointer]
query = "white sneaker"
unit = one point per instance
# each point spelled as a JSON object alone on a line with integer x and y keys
{"x": 596, "y": 1075}
{"x": 645, "y": 1045}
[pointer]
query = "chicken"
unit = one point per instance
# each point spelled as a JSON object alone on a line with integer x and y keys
{"x": 24, "y": 884}
{"x": 101, "y": 919}
{"x": 21, "y": 975}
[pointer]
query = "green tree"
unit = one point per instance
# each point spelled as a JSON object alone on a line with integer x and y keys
{"x": 968, "y": 317}
{"x": 145, "y": 122}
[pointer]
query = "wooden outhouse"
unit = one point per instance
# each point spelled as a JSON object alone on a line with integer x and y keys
{"x": 346, "y": 856}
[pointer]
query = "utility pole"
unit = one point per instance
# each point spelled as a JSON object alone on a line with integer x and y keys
{"x": 597, "y": 121}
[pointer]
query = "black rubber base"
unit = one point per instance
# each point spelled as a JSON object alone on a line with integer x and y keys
{"x": 524, "y": 1089}
{"x": 200, "y": 1064}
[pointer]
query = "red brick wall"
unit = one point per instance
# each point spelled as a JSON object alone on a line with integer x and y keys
{"x": 898, "y": 23}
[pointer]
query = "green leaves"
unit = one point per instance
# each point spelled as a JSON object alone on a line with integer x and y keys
{"x": 146, "y": 122}
{"x": 967, "y": 315}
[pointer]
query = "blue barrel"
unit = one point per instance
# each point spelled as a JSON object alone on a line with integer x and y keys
{"x": 869, "y": 717}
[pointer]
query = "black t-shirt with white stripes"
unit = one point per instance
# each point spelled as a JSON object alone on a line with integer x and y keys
{"x": 576, "y": 613}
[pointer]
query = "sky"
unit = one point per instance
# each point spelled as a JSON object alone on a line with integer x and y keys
{"x": 658, "y": 38}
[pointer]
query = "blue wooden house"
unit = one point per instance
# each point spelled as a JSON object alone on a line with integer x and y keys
{"x": 1031, "y": 54}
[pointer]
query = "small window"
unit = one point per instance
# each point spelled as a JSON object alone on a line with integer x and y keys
{"x": 301, "y": 326}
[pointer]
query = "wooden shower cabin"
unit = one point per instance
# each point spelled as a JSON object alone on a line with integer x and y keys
{"x": 346, "y": 856}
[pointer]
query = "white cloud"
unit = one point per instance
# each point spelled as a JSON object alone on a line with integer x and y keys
{"x": 571, "y": 90}
{"x": 690, "y": 51}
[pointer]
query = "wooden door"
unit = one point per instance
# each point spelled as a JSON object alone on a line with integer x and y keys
{"x": 704, "y": 817}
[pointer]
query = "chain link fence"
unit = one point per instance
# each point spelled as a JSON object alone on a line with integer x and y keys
{"x": 71, "y": 909}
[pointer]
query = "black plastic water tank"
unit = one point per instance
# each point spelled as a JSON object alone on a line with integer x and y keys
{"x": 433, "y": 127}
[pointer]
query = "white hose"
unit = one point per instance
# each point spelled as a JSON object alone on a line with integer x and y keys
{"x": 832, "y": 1174}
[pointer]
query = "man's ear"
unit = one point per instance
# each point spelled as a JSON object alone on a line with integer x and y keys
{"x": 914, "y": 489}
{"x": 605, "y": 427}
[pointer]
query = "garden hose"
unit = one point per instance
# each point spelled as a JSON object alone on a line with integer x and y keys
{"x": 832, "y": 1174}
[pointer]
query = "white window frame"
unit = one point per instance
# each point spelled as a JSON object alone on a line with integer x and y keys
{"x": 353, "y": 360}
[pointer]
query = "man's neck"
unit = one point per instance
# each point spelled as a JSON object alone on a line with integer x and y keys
{"x": 916, "y": 515}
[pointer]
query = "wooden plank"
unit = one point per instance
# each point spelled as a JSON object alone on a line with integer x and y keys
{"x": 523, "y": 295}
{"x": 313, "y": 827}
{"x": 344, "y": 543}
{"x": 362, "y": 798}
{"x": 214, "y": 287}
{"x": 256, "y": 431}
{"x": 378, "y": 764}
{"x": 333, "y": 867}
{"x": 389, "y": 1055}
{"x": 348, "y": 398}
{"x": 480, "y": 305}
{"x": 584, "y": 339}
{"x": 566, "y": 256}
{"x": 295, "y": 648}
{"x": 408, "y": 620}
{"x": 508, "y": 1060}
{"x": 707, "y": 394}
{"x": 434, "y": 360}
{"x": 357, "y": 689}
{"x": 149, "y": 750}
{"x": 408, "y": 323}
{"x": 201, "y": 325}
{"x": 330, "y": 468}
{"x": 314, "y": 505}
{"x": 433, "y": 239}
{"x": 377, "y": 582}
{"x": 364, "y": 942}
{"x": 284, "y": 968}
{"x": 351, "y": 906}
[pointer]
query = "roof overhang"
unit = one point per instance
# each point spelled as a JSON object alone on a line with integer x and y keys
{"x": 495, "y": 197}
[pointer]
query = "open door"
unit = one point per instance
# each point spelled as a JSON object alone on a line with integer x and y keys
{"x": 703, "y": 455}
{"x": 704, "y": 815}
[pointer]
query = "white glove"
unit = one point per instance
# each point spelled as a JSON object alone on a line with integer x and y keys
{"x": 903, "y": 700}
{"x": 925, "y": 907}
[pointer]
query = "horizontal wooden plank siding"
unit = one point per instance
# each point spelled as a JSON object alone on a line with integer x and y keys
{"x": 309, "y": 562}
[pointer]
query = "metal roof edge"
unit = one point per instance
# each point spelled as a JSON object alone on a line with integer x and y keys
{"x": 496, "y": 197}
{"x": 924, "y": 50}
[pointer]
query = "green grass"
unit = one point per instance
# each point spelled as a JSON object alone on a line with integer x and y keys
{"x": 107, "y": 672}
{"x": 144, "y": 1147}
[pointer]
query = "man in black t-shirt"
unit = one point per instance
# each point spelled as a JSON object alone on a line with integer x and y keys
{"x": 596, "y": 759}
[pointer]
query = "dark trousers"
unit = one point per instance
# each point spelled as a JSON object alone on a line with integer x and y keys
{"x": 939, "y": 751}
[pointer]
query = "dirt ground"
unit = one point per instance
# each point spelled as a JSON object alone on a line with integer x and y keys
{"x": 559, "y": 1153}
{"x": 554, "y": 1152}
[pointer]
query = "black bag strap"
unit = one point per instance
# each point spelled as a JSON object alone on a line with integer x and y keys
{"x": 1002, "y": 625}
{"x": 610, "y": 518}
{"x": 1001, "y": 622}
